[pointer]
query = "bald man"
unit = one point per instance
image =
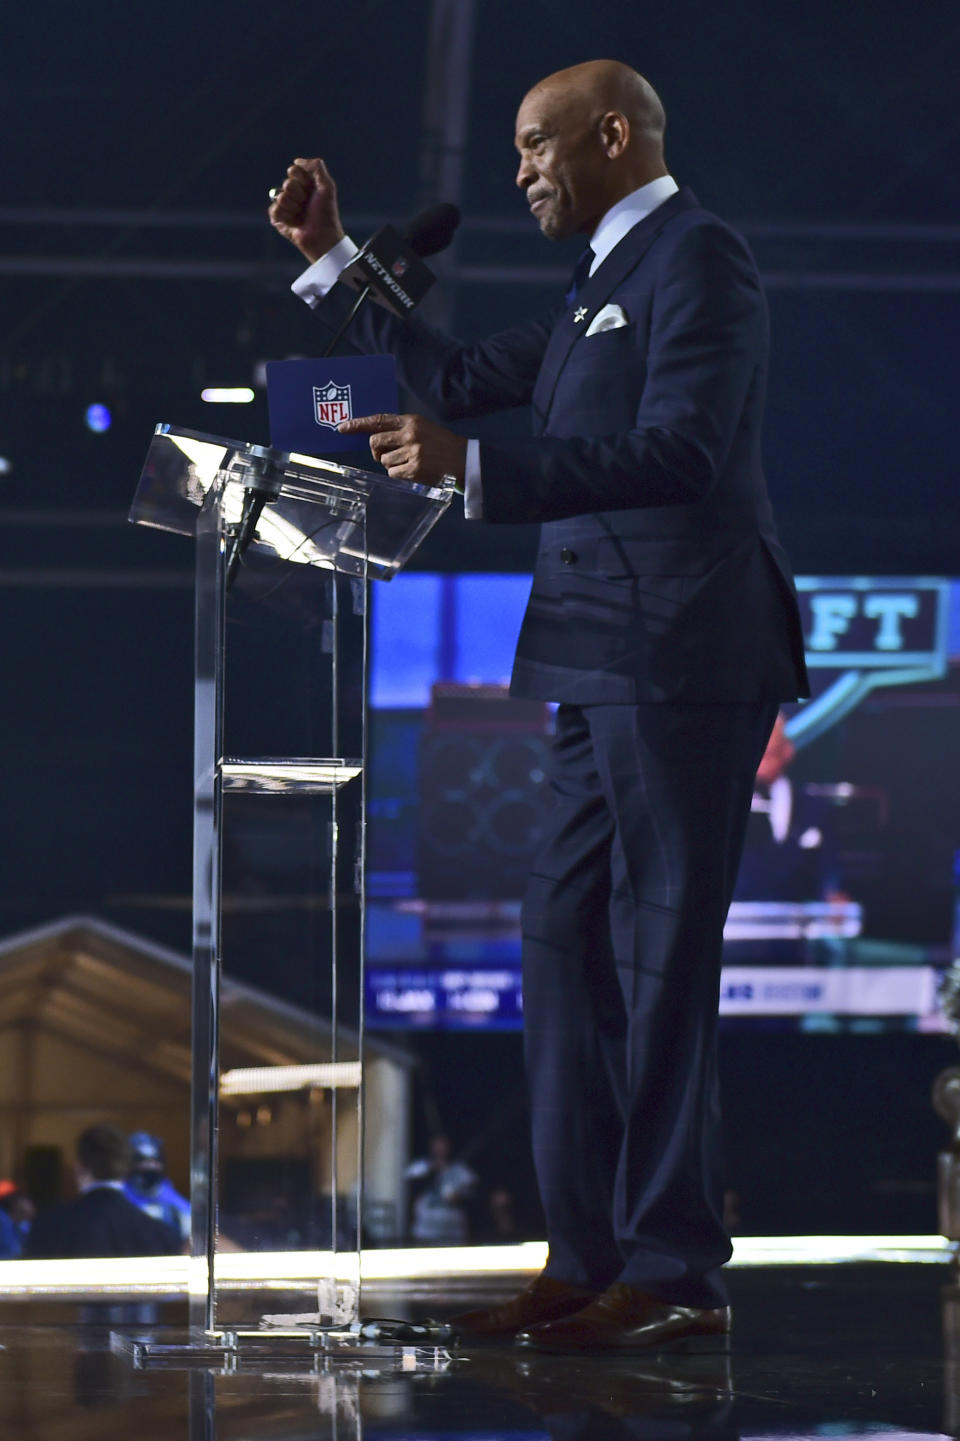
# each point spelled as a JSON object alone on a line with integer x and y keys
{"x": 663, "y": 621}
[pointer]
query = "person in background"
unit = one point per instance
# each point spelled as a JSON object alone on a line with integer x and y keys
{"x": 149, "y": 1187}
{"x": 790, "y": 851}
{"x": 16, "y": 1217}
{"x": 439, "y": 1210}
{"x": 504, "y": 1229}
{"x": 11, "y": 1242}
{"x": 100, "y": 1221}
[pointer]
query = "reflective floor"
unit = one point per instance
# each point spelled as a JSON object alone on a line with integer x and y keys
{"x": 834, "y": 1351}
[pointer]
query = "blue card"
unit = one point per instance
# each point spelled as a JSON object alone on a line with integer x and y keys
{"x": 308, "y": 398}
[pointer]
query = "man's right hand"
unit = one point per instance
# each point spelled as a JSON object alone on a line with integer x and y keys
{"x": 305, "y": 210}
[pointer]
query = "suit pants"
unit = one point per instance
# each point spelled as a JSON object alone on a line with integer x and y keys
{"x": 622, "y": 938}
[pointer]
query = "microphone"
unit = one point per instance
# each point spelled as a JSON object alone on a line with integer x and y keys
{"x": 389, "y": 268}
{"x": 433, "y": 229}
{"x": 265, "y": 487}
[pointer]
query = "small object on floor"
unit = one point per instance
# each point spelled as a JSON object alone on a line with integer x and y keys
{"x": 384, "y": 1328}
{"x": 625, "y": 1319}
{"x": 542, "y": 1300}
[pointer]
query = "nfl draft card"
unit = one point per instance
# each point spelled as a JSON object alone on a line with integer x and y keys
{"x": 307, "y": 400}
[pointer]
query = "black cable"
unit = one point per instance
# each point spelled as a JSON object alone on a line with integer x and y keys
{"x": 338, "y": 333}
{"x": 285, "y": 563}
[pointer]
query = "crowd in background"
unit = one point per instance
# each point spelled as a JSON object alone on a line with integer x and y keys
{"x": 125, "y": 1204}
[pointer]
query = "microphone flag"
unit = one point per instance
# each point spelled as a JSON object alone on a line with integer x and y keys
{"x": 397, "y": 277}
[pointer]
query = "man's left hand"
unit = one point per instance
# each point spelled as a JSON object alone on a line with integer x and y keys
{"x": 410, "y": 447}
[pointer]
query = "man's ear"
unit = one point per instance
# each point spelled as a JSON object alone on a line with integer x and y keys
{"x": 614, "y": 133}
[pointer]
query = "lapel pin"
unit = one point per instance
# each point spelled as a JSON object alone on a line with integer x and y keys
{"x": 580, "y": 314}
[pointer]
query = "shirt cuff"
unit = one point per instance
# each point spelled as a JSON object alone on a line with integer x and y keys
{"x": 472, "y": 489}
{"x": 324, "y": 273}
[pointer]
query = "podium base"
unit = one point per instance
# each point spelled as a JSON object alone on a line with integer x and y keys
{"x": 316, "y": 1350}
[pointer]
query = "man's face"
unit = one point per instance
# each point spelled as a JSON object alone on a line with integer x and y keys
{"x": 440, "y": 1150}
{"x": 146, "y": 1176}
{"x": 561, "y": 163}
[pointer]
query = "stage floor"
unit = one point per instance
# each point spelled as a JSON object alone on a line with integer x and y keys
{"x": 842, "y": 1350}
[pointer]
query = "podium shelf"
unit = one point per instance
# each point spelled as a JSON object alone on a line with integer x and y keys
{"x": 277, "y": 775}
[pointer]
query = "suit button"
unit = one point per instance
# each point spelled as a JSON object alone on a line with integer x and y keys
{"x": 569, "y": 557}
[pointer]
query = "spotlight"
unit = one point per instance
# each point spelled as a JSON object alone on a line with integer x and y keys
{"x": 98, "y": 419}
{"x": 227, "y": 395}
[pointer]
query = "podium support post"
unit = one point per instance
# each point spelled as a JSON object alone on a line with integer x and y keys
{"x": 278, "y": 879}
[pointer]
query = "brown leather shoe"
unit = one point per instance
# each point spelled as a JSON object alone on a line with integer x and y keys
{"x": 625, "y": 1319}
{"x": 542, "y": 1300}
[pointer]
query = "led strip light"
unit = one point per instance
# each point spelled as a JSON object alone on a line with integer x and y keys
{"x": 325, "y": 1075}
{"x": 177, "y": 1276}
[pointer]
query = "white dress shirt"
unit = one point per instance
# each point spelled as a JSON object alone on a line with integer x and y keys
{"x": 322, "y": 275}
{"x": 627, "y": 213}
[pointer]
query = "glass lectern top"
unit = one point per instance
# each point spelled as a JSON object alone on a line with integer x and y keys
{"x": 317, "y": 512}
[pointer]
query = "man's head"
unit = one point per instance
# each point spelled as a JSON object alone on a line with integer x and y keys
{"x": 102, "y": 1155}
{"x": 440, "y": 1149}
{"x": 586, "y": 137}
{"x": 147, "y": 1162}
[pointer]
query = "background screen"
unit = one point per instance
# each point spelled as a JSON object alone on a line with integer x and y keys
{"x": 843, "y": 915}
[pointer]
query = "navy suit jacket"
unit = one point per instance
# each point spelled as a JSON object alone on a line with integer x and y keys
{"x": 659, "y": 575}
{"x": 100, "y": 1222}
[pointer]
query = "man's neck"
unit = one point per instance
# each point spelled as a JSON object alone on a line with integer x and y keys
{"x": 628, "y": 212}
{"x": 631, "y": 186}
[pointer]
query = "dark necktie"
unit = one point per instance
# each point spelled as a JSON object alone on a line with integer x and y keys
{"x": 581, "y": 272}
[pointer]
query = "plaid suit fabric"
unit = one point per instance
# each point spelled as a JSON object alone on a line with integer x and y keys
{"x": 623, "y": 922}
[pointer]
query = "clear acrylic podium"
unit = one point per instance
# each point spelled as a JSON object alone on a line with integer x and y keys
{"x": 278, "y": 897}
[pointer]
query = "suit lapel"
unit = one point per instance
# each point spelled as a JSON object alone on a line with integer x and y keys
{"x": 623, "y": 258}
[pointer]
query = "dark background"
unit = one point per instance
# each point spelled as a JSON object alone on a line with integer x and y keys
{"x": 136, "y": 266}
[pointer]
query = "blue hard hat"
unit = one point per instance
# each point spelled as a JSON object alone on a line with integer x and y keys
{"x": 145, "y": 1147}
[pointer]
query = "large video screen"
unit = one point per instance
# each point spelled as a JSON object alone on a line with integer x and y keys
{"x": 844, "y": 912}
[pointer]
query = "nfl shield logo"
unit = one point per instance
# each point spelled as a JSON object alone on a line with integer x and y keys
{"x": 331, "y": 404}
{"x": 399, "y": 267}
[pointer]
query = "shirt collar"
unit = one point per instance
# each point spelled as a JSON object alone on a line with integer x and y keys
{"x": 627, "y": 213}
{"x": 102, "y": 1186}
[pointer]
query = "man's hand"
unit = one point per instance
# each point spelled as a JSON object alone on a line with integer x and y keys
{"x": 411, "y": 448}
{"x": 305, "y": 210}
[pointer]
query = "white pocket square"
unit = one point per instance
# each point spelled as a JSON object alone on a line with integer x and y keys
{"x": 611, "y": 317}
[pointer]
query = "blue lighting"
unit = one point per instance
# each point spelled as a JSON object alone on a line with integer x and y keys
{"x": 443, "y": 627}
{"x": 98, "y": 419}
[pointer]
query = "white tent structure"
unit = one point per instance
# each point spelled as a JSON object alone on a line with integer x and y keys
{"x": 95, "y": 1029}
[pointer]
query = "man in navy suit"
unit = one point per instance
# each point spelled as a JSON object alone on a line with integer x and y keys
{"x": 100, "y": 1220}
{"x": 663, "y": 620}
